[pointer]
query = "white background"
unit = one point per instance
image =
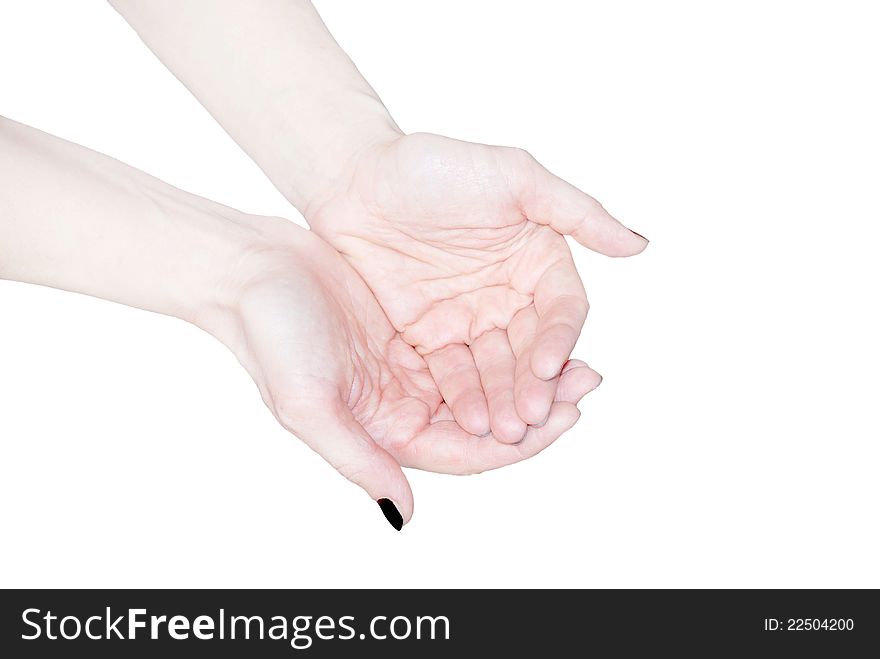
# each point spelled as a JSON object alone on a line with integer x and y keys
{"x": 734, "y": 441}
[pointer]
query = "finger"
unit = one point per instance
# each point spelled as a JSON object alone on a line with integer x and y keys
{"x": 497, "y": 366}
{"x": 562, "y": 417}
{"x": 576, "y": 381}
{"x": 456, "y": 375}
{"x": 547, "y": 199}
{"x": 532, "y": 395}
{"x": 338, "y": 437}
{"x": 444, "y": 447}
{"x": 561, "y": 305}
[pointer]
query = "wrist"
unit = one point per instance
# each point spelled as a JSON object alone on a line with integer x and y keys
{"x": 316, "y": 171}
{"x": 225, "y": 255}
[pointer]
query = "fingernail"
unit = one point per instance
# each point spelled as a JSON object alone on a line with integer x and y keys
{"x": 392, "y": 514}
{"x": 485, "y": 434}
{"x": 543, "y": 423}
{"x": 601, "y": 379}
{"x": 639, "y": 235}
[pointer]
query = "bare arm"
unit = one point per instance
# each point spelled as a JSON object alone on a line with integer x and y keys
{"x": 273, "y": 76}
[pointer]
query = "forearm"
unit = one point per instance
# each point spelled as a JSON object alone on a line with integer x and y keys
{"x": 274, "y": 78}
{"x": 77, "y": 220}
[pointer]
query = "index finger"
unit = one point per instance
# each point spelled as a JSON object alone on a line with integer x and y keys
{"x": 561, "y": 304}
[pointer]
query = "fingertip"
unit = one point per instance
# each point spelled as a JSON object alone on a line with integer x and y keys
{"x": 630, "y": 244}
{"x": 392, "y": 513}
{"x": 509, "y": 428}
{"x": 551, "y": 350}
{"x": 549, "y": 355}
{"x": 576, "y": 382}
{"x": 642, "y": 245}
{"x": 343, "y": 442}
{"x": 394, "y": 488}
{"x": 531, "y": 407}
{"x": 472, "y": 414}
{"x": 607, "y": 235}
{"x": 640, "y": 236}
{"x": 544, "y": 364}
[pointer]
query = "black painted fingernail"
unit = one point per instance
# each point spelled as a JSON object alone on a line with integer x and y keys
{"x": 392, "y": 514}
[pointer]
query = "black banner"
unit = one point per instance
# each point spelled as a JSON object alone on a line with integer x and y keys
{"x": 426, "y": 623}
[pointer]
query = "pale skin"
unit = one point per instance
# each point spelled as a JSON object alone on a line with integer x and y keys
{"x": 432, "y": 325}
{"x": 462, "y": 244}
{"x": 324, "y": 356}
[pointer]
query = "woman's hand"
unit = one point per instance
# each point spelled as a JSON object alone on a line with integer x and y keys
{"x": 461, "y": 243}
{"x": 326, "y": 359}
{"x": 463, "y": 246}
{"x": 336, "y": 373}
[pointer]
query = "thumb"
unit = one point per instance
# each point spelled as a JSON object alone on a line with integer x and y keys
{"x": 547, "y": 199}
{"x": 337, "y": 436}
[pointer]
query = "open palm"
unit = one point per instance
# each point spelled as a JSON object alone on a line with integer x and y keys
{"x": 336, "y": 373}
{"x": 463, "y": 246}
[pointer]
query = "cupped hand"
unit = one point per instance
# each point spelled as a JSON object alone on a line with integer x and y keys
{"x": 335, "y": 372}
{"x": 463, "y": 246}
